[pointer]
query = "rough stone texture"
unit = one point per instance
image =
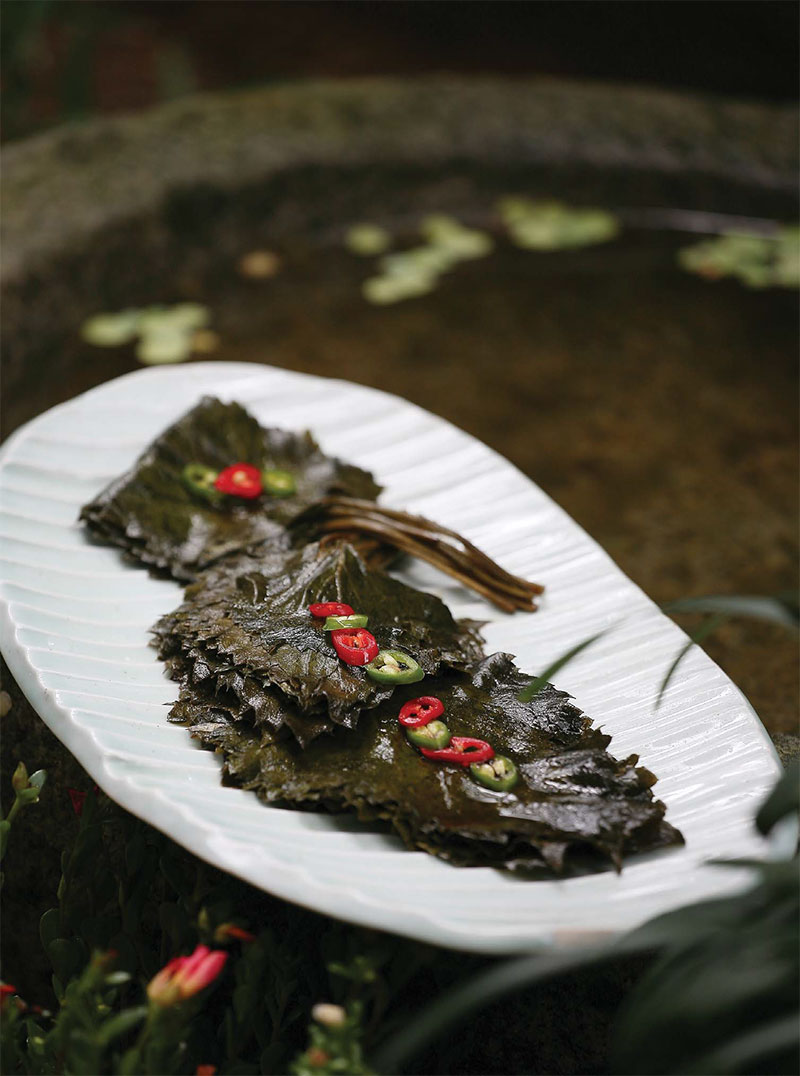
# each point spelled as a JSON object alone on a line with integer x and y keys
{"x": 303, "y": 156}
{"x": 787, "y": 745}
{"x": 63, "y": 186}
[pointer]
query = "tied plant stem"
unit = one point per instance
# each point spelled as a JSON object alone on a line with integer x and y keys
{"x": 336, "y": 517}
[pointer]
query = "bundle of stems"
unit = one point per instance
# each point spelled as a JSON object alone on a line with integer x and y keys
{"x": 368, "y": 525}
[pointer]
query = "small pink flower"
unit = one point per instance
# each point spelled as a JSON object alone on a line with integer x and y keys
{"x": 185, "y": 976}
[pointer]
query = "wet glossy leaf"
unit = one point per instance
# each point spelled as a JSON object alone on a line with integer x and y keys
{"x": 573, "y": 795}
{"x": 246, "y": 625}
{"x": 151, "y": 514}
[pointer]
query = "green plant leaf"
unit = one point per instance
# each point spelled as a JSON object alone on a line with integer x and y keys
{"x": 778, "y": 609}
{"x": 28, "y": 795}
{"x": 120, "y": 1024}
{"x": 774, "y": 1044}
{"x": 509, "y": 977}
{"x": 68, "y": 957}
{"x": 702, "y": 633}
{"x": 174, "y": 922}
{"x": 784, "y": 799}
{"x": 49, "y": 927}
{"x": 540, "y": 682}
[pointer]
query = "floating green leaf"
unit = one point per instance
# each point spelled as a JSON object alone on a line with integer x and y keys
{"x": 383, "y": 290}
{"x": 159, "y": 347}
{"x": 165, "y": 332}
{"x": 406, "y": 274}
{"x": 555, "y": 226}
{"x": 367, "y": 239}
{"x": 757, "y": 261}
{"x": 111, "y": 330}
{"x": 450, "y": 235}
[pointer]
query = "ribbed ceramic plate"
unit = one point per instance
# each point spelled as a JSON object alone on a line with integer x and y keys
{"x": 75, "y": 622}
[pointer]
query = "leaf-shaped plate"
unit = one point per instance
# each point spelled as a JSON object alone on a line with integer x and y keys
{"x": 75, "y": 621}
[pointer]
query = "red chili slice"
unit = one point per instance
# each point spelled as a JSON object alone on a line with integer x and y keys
{"x": 355, "y": 647}
{"x": 463, "y": 751}
{"x": 420, "y": 712}
{"x": 240, "y": 480}
{"x": 323, "y": 609}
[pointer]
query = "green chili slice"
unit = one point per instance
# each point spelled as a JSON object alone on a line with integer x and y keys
{"x": 354, "y": 620}
{"x": 499, "y": 773}
{"x": 279, "y": 483}
{"x": 394, "y": 667}
{"x": 435, "y": 735}
{"x": 199, "y": 479}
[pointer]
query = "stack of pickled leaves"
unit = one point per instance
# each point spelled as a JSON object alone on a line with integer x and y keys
{"x": 244, "y": 628}
{"x": 262, "y": 683}
{"x": 151, "y": 514}
{"x": 574, "y": 807}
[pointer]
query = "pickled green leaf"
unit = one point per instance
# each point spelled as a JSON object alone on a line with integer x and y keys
{"x": 574, "y": 805}
{"x": 150, "y": 513}
{"x": 245, "y": 626}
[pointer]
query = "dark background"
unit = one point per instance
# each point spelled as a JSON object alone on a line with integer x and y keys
{"x": 66, "y": 59}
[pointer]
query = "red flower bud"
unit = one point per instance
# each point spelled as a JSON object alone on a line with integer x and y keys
{"x": 185, "y": 976}
{"x": 19, "y": 780}
{"x": 77, "y": 798}
{"x": 317, "y": 1058}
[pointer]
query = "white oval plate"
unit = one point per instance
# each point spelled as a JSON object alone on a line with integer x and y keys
{"x": 74, "y": 629}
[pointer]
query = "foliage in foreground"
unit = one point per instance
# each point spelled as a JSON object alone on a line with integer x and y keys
{"x": 719, "y": 993}
{"x": 130, "y": 900}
